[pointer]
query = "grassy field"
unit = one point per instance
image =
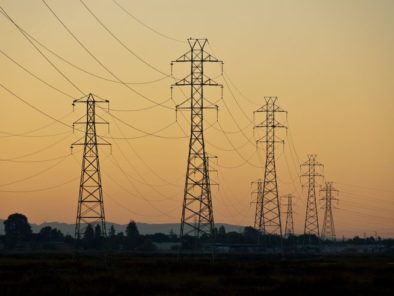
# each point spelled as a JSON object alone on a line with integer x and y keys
{"x": 50, "y": 274}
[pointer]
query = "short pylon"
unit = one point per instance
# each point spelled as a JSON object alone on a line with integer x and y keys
{"x": 328, "y": 229}
{"x": 90, "y": 198}
{"x": 289, "y": 227}
{"x": 311, "y": 225}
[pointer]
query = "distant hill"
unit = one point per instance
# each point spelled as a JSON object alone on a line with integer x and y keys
{"x": 144, "y": 228}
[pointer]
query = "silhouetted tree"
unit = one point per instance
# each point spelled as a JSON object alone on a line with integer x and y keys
{"x": 147, "y": 245}
{"x": 88, "y": 237}
{"x": 89, "y": 233}
{"x": 132, "y": 235}
{"x": 48, "y": 233}
{"x": 97, "y": 232}
{"x": 17, "y": 229}
{"x": 112, "y": 232}
{"x": 172, "y": 235}
{"x": 221, "y": 234}
{"x": 98, "y": 237}
{"x": 251, "y": 234}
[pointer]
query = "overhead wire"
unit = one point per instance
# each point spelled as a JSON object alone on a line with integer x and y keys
{"x": 364, "y": 187}
{"x": 101, "y": 63}
{"x": 34, "y": 107}
{"x": 35, "y": 160}
{"x": 39, "y": 51}
{"x": 42, "y": 189}
{"x": 36, "y": 174}
{"x": 143, "y": 179}
{"x": 9, "y": 135}
{"x": 147, "y": 26}
{"x": 35, "y": 76}
{"x": 145, "y": 133}
{"x": 68, "y": 62}
{"x": 26, "y": 133}
{"x": 166, "y": 182}
{"x": 37, "y": 151}
{"x": 120, "y": 41}
{"x": 238, "y": 90}
{"x": 236, "y": 150}
{"x": 139, "y": 195}
{"x": 46, "y": 114}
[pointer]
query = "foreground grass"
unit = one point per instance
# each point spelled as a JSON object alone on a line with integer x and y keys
{"x": 49, "y": 274}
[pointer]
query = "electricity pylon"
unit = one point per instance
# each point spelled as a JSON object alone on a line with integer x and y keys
{"x": 328, "y": 229}
{"x": 90, "y": 198}
{"x": 268, "y": 217}
{"x": 289, "y": 227}
{"x": 197, "y": 212}
{"x": 257, "y": 194}
{"x": 311, "y": 226}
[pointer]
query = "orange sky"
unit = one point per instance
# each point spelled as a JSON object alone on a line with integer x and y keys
{"x": 329, "y": 62}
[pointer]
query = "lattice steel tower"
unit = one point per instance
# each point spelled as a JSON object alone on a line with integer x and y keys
{"x": 311, "y": 225}
{"x": 268, "y": 216}
{"x": 197, "y": 213}
{"x": 328, "y": 229}
{"x": 289, "y": 227}
{"x": 90, "y": 197}
{"x": 258, "y": 194}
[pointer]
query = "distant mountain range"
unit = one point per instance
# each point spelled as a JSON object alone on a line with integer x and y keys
{"x": 144, "y": 228}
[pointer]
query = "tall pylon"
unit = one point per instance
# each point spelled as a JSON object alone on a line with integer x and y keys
{"x": 197, "y": 212}
{"x": 90, "y": 198}
{"x": 289, "y": 227}
{"x": 268, "y": 216}
{"x": 328, "y": 229}
{"x": 311, "y": 226}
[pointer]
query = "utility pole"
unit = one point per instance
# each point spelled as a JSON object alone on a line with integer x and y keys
{"x": 289, "y": 228}
{"x": 268, "y": 216}
{"x": 328, "y": 230}
{"x": 90, "y": 197}
{"x": 311, "y": 226}
{"x": 197, "y": 212}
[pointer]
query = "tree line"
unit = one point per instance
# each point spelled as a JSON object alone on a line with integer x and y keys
{"x": 19, "y": 235}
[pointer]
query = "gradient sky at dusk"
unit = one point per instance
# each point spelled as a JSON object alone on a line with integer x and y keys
{"x": 330, "y": 63}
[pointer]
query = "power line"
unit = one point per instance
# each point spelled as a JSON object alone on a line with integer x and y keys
{"x": 37, "y": 151}
{"x": 8, "y": 135}
{"x": 36, "y": 174}
{"x": 42, "y": 189}
{"x": 237, "y": 89}
{"x": 229, "y": 149}
{"x": 23, "y": 134}
{"x": 99, "y": 62}
{"x": 124, "y": 207}
{"x": 145, "y": 25}
{"x": 40, "y": 52}
{"x": 244, "y": 162}
{"x": 236, "y": 150}
{"x": 144, "y": 162}
{"x": 36, "y": 160}
{"x": 120, "y": 41}
{"x": 139, "y": 193}
{"x": 58, "y": 56}
{"x": 34, "y": 107}
{"x": 364, "y": 187}
{"x": 153, "y": 134}
{"x": 144, "y": 181}
{"x": 35, "y": 76}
